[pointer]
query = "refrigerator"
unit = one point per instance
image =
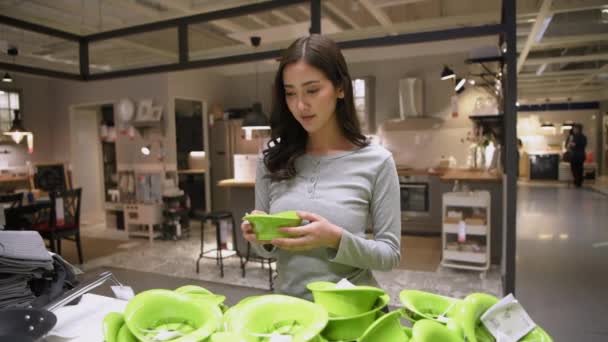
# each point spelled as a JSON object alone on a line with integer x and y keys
{"x": 227, "y": 138}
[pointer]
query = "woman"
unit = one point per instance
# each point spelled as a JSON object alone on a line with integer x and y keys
{"x": 318, "y": 163}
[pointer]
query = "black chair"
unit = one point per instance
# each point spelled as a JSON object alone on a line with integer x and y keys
{"x": 11, "y": 200}
{"x": 55, "y": 230}
{"x": 26, "y": 216}
{"x": 242, "y": 247}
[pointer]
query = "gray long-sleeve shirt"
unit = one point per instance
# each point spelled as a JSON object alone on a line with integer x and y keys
{"x": 352, "y": 190}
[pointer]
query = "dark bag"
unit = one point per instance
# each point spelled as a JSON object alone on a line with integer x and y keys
{"x": 567, "y": 156}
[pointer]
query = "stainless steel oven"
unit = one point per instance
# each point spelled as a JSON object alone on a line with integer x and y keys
{"x": 414, "y": 196}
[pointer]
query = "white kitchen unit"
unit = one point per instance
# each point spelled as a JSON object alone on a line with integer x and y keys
{"x": 141, "y": 218}
{"x": 466, "y": 230}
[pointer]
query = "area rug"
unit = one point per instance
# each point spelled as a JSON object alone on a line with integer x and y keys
{"x": 420, "y": 253}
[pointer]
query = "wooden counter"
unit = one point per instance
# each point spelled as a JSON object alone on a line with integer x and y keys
{"x": 233, "y": 183}
{"x": 419, "y": 172}
{"x": 11, "y": 178}
{"x": 471, "y": 175}
{"x": 191, "y": 171}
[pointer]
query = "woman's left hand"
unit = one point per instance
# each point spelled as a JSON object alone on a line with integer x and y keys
{"x": 318, "y": 233}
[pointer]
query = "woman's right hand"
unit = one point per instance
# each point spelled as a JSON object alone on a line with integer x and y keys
{"x": 247, "y": 229}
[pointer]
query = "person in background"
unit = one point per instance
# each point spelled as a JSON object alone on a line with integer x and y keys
{"x": 577, "y": 142}
{"x": 319, "y": 163}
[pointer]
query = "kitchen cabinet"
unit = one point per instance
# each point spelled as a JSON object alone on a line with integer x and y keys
{"x": 544, "y": 166}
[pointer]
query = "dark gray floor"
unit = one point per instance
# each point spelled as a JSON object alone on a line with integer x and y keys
{"x": 562, "y": 279}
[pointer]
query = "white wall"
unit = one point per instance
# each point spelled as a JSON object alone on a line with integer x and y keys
{"x": 87, "y": 162}
{"x": 70, "y": 93}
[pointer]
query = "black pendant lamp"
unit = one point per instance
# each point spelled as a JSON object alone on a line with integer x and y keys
{"x": 7, "y": 78}
{"x": 447, "y": 73}
{"x": 17, "y": 131}
{"x": 255, "y": 118}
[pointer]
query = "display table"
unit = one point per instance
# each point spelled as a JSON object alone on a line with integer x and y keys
{"x": 100, "y": 301}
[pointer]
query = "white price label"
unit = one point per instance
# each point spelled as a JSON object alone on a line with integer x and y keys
{"x": 123, "y": 292}
{"x": 507, "y": 320}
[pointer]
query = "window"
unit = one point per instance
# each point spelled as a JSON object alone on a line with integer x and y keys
{"x": 9, "y": 101}
{"x": 363, "y": 96}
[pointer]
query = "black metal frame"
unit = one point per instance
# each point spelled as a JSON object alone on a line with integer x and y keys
{"x": 506, "y": 29}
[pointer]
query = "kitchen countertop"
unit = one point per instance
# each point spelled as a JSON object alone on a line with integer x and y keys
{"x": 471, "y": 175}
{"x": 444, "y": 174}
{"x": 417, "y": 172}
{"x": 11, "y": 178}
{"x": 224, "y": 183}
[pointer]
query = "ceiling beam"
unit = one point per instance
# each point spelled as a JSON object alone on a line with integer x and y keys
{"x": 196, "y": 18}
{"x": 279, "y": 14}
{"x": 561, "y": 73}
{"x": 568, "y": 59}
{"x": 258, "y": 20}
{"x": 590, "y": 77}
{"x": 543, "y": 15}
{"x": 422, "y": 26}
{"x": 565, "y": 7}
{"x": 573, "y": 40}
{"x": 388, "y": 3}
{"x": 333, "y": 8}
{"x": 87, "y": 28}
{"x": 379, "y": 15}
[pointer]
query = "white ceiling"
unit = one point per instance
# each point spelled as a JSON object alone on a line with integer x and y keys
{"x": 573, "y": 48}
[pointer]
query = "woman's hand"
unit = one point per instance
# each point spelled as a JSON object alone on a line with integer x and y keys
{"x": 248, "y": 232}
{"x": 318, "y": 233}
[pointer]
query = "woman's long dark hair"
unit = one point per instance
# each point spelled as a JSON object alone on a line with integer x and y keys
{"x": 288, "y": 137}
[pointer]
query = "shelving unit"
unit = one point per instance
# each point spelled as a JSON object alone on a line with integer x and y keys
{"x": 466, "y": 214}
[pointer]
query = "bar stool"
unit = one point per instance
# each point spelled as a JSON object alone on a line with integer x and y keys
{"x": 216, "y": 217}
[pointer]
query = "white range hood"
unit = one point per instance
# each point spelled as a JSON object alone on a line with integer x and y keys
{"x": 411, "y": 108}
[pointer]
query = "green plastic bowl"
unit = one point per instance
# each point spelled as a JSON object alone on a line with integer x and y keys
{"x": 386, "y": 328}
{"x": 201, "y": 293}
{"x": 225, "y": 337}
{"x": 345, "y": 302}
{"x": 162, "y": 310}
{"x": 424, "y": 305}
{"x": 426, "y": 330}
{"x": 537, "y": 335}
{"x": 255, "y": 317}
{"x": 266, "y": 226}
{"x": 352, "y": 327}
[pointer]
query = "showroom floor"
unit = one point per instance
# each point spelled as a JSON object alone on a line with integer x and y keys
{"x": 562, "y": 260}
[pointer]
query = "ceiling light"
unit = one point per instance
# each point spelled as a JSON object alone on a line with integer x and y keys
{"x": 604, "y": 10}
{"x": 447, "y": 73}
{"x": 517, "y": 103}
{"x": 567, "y": 125}
{"x": 547, "y": 126}
{"x": 145, "y": 150}
{"x": 460, "y": 83}
{"x": 472, "y": 82}
{"x": 7, "y": 78}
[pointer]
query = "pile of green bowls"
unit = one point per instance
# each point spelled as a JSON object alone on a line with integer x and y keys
{"x": 351, "y": 310}
{"x": 192, "y": 313}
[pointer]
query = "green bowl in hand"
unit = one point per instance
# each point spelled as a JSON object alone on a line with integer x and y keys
{"x": 266, "y": 226}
